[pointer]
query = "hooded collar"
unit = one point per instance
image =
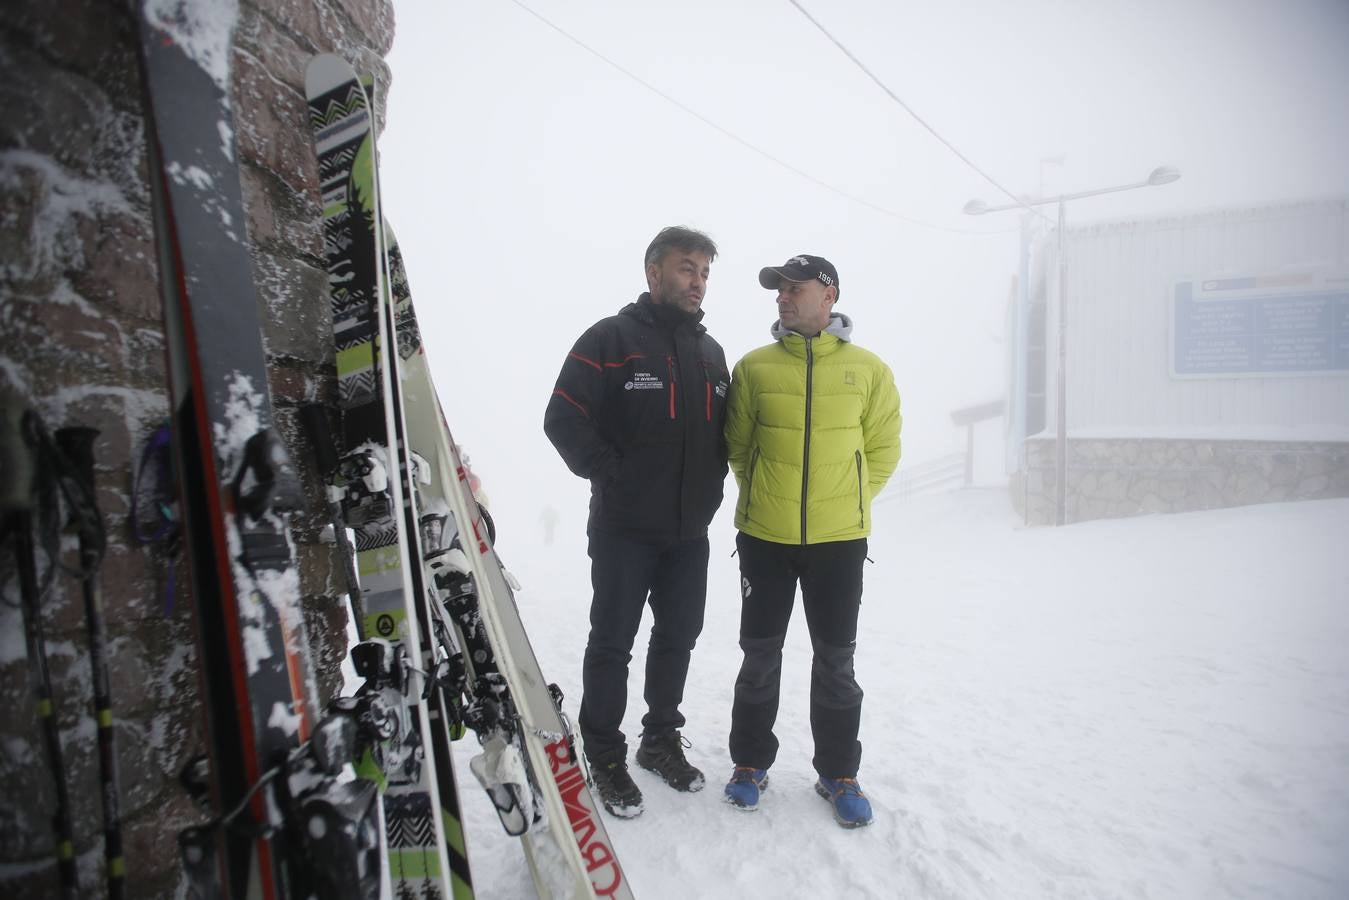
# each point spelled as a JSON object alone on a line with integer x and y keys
{"x": 840, "y": 326}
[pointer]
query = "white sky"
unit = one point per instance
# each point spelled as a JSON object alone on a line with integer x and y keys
{"x": 525, "y": 176}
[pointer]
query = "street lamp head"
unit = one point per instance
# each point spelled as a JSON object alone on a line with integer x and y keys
{"x": 975, "y": 208}
{"x": 1163, "y": 175}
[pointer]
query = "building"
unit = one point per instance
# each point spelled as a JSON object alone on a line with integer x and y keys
{"x": 1207, "y": 362}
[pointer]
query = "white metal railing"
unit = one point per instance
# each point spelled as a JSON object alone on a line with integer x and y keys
{"x": 946, "y": 473}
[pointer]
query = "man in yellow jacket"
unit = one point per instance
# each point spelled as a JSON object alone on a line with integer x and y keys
{"x": 812, "y": 430}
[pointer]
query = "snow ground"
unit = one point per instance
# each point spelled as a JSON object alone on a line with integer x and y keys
{"x": 1155, "y": 707}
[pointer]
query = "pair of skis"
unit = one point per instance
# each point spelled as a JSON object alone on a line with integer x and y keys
{"x": 457, "y": 606}
{"x": 286, "y": 823}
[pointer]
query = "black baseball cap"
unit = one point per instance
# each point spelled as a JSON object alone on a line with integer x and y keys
{"x": 802, "y": 267}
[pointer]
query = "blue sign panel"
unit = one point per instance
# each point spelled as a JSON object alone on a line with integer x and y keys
{"x": 1275, "y": 334}
{"x": 1341, "y": 340}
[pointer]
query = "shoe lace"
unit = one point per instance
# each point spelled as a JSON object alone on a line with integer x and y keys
{"x": 743, "y": 775}
{"x": 848, "y": 787}
{"x": 672, "y": 746}
{"x": 678, "y": 746}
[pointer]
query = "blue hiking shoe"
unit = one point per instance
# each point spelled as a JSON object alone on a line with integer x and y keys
{"x": 851, "y": 807}
{"x": 742, "y": 791}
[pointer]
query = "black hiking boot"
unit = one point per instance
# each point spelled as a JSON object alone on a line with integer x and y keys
{"x": 664, "y": 755}
{"x": 615, "y": 788}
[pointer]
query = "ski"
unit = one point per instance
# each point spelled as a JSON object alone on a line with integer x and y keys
{"x": 374, "y": 480}
{"x": 515, "y": 711}
{"x": 237, "y": 488}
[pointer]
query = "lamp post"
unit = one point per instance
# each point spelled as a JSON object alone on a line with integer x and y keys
{"x": 1158, "y": 176}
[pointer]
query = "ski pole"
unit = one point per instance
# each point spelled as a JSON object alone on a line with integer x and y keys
{"x": 77, "y": 446}
{"x": 17, "y": 434}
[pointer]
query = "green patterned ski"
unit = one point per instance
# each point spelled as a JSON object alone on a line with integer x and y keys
{"x": 426, "y": 851}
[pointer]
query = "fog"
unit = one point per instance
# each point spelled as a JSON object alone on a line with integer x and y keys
{"x": 525, "y": 174}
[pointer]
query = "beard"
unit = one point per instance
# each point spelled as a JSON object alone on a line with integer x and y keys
{"x": 668, "y": 295}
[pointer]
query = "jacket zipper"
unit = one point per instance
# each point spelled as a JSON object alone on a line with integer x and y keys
{"x": 861, "y": 511}
{"x": 805, "y": 453}
{"x": 708, "y": 369}
{"x": 669, "y": 362}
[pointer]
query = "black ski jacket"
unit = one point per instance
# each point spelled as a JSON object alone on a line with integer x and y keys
{"x": 639, "y": 409}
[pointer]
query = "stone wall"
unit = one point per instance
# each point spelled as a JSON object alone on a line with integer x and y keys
{"x": 1117, "y": 477}
{"x": 81, "y": 341}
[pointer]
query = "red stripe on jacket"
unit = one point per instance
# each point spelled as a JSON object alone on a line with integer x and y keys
{"x": 558, "y": 392}
{"x": 609, "y": 365}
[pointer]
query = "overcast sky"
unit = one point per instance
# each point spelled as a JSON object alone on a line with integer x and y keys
{"x": 525, "y": 175}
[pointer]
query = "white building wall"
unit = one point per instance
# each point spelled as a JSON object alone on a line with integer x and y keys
{"x": 1122, "y": 278}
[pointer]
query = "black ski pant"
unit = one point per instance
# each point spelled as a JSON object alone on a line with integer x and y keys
{"x": 627, "y": 574}
{"x": 830, "y": 576}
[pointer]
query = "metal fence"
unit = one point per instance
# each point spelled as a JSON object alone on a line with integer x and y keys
{"x": 946, "y": 473}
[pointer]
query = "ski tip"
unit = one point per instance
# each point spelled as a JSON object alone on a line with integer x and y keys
{"x": 325, "y": 72}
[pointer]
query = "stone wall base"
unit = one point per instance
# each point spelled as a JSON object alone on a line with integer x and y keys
{"x": 1112, "y": 478}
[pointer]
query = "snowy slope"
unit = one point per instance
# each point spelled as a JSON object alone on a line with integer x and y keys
{"x": 1147, "y": 708}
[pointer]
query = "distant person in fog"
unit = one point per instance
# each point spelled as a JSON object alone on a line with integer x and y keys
{"x": 548, "y": 519}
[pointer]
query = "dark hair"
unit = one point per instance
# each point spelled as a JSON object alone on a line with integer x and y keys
{"x": 676, "y": 237}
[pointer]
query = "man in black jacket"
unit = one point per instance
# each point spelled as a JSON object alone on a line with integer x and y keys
{"x": 638, "y": 409}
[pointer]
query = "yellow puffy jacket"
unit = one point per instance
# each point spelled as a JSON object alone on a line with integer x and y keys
{"x": 812, "y": 429}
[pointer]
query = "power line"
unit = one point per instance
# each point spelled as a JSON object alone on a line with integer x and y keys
{"x": 917, "y": 118}
{"x": 741, "y": 141}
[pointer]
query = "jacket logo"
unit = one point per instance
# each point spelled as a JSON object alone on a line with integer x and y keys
{"x": 644, "y": 381}
{"x": 849, "y": 376}
{"x": 720, "y": 389}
